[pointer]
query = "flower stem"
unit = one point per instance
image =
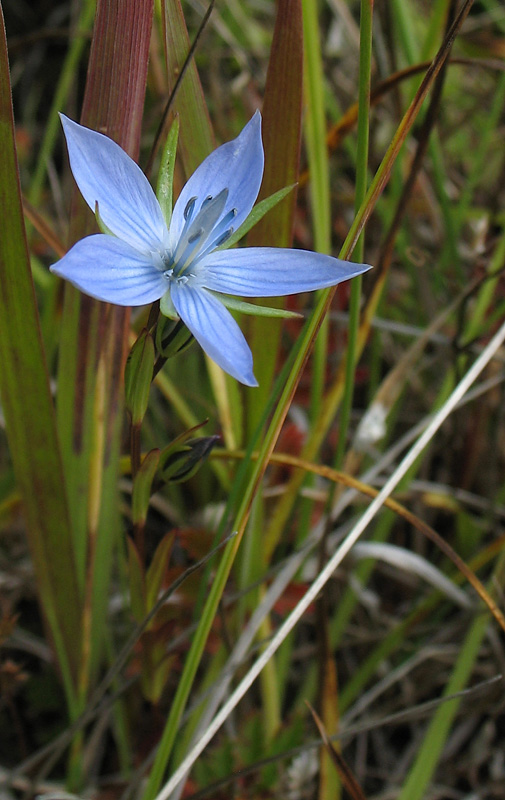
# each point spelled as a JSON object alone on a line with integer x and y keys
{"x": 315, "y": 135}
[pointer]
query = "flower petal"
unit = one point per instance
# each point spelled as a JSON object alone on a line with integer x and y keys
{"x": 272, "y": 271}
{"x": 215, "y": 330}
{"x": 236, "y": 166}
{"x": 109, "y": 269}
{"x": 106, "y": 175}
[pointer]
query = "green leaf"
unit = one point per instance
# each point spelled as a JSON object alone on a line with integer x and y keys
{"x": 29, "y": 413}
{"x": 138, "y": 376}
{"x": 157, "y": 570}
{"x": 255, "y": 310}
{"x": 258, "y": 212}
{"x": 136, "y": 581}
{"x": 142, "y": 486}
{"x": 165, "y": 185}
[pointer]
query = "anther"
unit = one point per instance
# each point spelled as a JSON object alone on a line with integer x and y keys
{"x": 190, "y": 205}
{"x": 222, "y": 239}
{"x": 195, "y": 236}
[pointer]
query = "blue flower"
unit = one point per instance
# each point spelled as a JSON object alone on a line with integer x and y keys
{"x": 143, "y": 259}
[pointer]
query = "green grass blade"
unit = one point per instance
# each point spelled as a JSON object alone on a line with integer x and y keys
{"x": 365, "y": 71}
{"x": 259, "y": 211}
{"x": 165, "y": 184}
{"x": 29, "y": 412}
{"x": 315, "y": 137}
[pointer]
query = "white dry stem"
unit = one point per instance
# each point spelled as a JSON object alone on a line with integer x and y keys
{"x": 311, "y": 594}
{"x": 414, "y": 564}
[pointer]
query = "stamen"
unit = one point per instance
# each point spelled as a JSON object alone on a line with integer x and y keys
{"x": 220, "y": 234}
{"x": 198, "y": 231}
{"x": 190, "y": 207}
{"x": 185, "y": 257}
{"x": 226, "y": 235}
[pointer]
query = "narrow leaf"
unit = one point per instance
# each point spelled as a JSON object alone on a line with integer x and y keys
{"x": 254, "y": 310}
{"x": 142, "y": 486}
{"x": 157, "y": 569}
{"x": 164, "y": 188}
{"x": 136, "y": 579}
{"x": 138, "y": 376}
{"x": 258, "y": 212}
{"x": 29, "y": 413}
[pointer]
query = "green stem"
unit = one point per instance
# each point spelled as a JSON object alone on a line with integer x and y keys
{"x": 317, "y": 155}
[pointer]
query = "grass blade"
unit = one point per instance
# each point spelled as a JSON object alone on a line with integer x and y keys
{"x": 29, "y": 412}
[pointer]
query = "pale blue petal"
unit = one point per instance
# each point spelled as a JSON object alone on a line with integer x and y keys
{"x": 236, "y": 166}
{"x": 272, "y": 271}
{"x": 215, "y": 330}
{"x": 106, "y": 175}
{"x": 109, "y": 269}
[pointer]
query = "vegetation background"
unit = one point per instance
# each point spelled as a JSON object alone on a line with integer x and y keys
{"x": 127, "y": 615}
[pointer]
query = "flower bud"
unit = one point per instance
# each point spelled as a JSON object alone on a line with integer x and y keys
{"x": 180, "y": 460}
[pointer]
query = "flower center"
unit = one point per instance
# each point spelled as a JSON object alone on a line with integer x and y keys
{"x": 203, "y": 231}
